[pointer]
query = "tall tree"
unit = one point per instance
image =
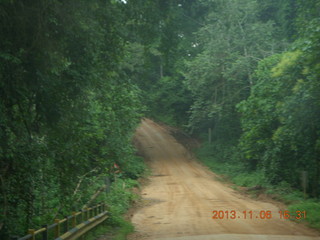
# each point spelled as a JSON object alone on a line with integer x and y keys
{"x": 231, "y": 43}
{"x": 161, "y": 37}
{"x": 280, "y": 119}
{"x": 66, "y": 115}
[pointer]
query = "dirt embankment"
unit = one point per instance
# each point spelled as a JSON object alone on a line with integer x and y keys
{"x": 182, "y": 195}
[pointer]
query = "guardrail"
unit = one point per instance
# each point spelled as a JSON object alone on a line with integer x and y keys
{"x": 71, "y": 227}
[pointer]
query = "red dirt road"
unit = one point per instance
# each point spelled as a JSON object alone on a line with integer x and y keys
{"x": 182, "y": 194}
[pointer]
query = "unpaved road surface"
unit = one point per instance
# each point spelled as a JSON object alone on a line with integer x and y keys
{"x": 182, "y": 194}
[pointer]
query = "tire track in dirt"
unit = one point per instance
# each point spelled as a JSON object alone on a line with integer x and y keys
{"x": 185, "y": 194}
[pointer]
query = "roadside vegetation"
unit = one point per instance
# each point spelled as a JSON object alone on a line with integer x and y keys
{"x": 77, "y": 76}
{"x": 248, "y": 72}
{"x": 269, "y": 136}
{"x": 119, "y": 197}
{"x": 68, "y": 111}
{"x": 225, "y": 161}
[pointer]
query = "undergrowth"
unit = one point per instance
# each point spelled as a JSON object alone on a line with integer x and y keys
{"x": 225, "y": 161}
{"x": 119, "y": 198}
{"x": 312, "y": 210}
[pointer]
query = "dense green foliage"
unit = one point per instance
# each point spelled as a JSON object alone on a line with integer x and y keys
{"x": 119, "y": 199}
{"x": 281, "y": 117}
{"x": 255, "y": 83}
{"x": 160, "y": 38}
{"x": 249, "y": 71}
{"x": 67, "y": 109}
{"x": 76, "y": 76}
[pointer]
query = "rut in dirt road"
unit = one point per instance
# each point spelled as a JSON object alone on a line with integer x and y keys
{"x": 182, "y": 195}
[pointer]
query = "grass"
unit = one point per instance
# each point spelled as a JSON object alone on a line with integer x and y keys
{"x": 224, "y": 160}
{"x": 97, "y": 232}
{"x": 124, "y": 229}
{"x": 119, "y": 200}
{"x": 110, "y": 232}
{"x": 311, "y": 209}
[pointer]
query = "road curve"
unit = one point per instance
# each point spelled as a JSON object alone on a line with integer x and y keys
{"x": 182, "y": 194}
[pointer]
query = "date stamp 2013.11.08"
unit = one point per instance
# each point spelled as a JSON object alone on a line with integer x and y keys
{"x": 262, "y": 214}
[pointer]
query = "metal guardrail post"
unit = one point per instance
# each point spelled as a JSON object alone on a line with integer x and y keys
{"x": 66, "y": 226}
{"x": 81, "y": 216}
{"x": 45, "y": 233}
{"x": 57, "y": 228}
{"x": 32, "y": 231}
{"x": 74, "y": 219}
{"x": 81, "y": 220}
{"x": 86, "y": 213}
{"x": 82, "y": 237}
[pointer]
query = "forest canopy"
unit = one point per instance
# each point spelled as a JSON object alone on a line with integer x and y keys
{"x": 67, "y": 109}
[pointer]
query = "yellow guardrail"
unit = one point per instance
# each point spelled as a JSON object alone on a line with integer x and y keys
{"x": 71, "y": 227}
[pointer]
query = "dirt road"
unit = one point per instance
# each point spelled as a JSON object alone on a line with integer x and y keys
{"x": 182, "y": 194}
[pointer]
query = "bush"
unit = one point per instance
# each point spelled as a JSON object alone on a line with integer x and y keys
{"x": 250, "y": 179}
{"x": 311, "y": 209}
{"x": 134, "y": 168}
{"x": 221, "y": 158}
{"x": 120, "y": 196}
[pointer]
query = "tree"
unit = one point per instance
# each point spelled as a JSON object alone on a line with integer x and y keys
{"x": 280, "y": 119}
{"x": 66, "y": 112}
{"x": 231, "y": 43}
{"x": 160, "y": 38}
